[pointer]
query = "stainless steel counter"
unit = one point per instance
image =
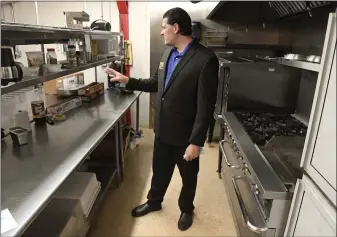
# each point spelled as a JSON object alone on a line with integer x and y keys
{"x": 30, "y": 174}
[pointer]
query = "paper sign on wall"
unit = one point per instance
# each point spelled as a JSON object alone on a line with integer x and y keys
{"x": 7, "y": 221}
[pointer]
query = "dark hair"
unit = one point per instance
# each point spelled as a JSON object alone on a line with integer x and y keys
{"x": 179, "y": 16}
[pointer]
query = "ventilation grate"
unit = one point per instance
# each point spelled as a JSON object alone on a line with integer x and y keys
{"x": 290, "y": 8}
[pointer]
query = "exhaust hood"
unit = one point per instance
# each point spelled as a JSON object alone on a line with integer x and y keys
{"x": 290, "y": 8}
{"x": 263, "y": 10}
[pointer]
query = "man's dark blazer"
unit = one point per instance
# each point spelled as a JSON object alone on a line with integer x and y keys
{"x": 185, "y": 107}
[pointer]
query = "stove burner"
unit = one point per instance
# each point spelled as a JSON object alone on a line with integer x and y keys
{"x": 261, "y": 127}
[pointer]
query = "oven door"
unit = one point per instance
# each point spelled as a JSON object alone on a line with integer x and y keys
{"x": 248, "y": 218}
{"x": 260, "y": 87}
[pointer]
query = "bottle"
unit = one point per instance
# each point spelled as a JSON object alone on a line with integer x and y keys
{"x": 38, "y": 107}
{"x": 51, "y": 56}
{"x": 71, "y": 55}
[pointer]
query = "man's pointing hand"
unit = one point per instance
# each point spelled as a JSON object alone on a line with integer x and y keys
{"x": 116, "y": 76}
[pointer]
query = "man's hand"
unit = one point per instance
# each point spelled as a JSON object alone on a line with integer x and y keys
{"x": 192, "y": 152}
{"x": 116, "y": 76}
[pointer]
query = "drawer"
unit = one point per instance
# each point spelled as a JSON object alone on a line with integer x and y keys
{"x": 311, "y": 213}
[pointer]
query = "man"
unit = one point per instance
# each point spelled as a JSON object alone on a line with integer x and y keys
{"x": 186, "y": 82}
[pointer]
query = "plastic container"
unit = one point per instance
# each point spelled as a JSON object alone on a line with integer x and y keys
{"x": 19, "y": 135}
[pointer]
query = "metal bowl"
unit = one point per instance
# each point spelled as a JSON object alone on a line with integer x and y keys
{"x": 292, "y": 56}
{"x": 314, "y": 59}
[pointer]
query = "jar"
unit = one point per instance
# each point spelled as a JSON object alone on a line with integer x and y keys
{"x": 72, "y": 54}
{"x": 51, "y": 56}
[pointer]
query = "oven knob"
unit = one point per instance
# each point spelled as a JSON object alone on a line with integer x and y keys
{"x": 257, "y": 192}
{"x": 240, "y": 157}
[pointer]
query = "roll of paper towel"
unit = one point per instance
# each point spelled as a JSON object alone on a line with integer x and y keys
{"x": 21, "y": 118}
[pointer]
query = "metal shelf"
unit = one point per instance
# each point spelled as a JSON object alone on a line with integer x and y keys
{"x": 302, "y": 65}
{"x": 60, "y": 150}
{"x": 23, "y": 34}
{"x": 34, "y": 81}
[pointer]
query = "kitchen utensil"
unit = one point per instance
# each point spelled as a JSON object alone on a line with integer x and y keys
{"x": 313, "y": 59}
{"x": 11, "y": 71}
{"x": 19, "y": 135}
{"x": 21, "y": 119}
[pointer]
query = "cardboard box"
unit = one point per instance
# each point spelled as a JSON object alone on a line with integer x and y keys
{"x": 50, "y": 87}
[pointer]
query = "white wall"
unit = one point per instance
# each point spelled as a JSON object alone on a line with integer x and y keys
{"x": 51, "y": 13}
{"x": 24, "y": 12}
{"x": 139, "y": 33}
{"x": 196, "y": 11}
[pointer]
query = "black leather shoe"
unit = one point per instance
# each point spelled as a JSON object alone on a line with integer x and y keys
{"x": 144, "y": 209}
{"x": 185, "y": 221}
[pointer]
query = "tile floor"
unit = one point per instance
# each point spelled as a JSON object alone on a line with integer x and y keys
{"x": 212, "y": 214}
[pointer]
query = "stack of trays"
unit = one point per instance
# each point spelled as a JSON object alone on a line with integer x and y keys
{"x": 60, "y": 218}
{"x": 82, "y": 186}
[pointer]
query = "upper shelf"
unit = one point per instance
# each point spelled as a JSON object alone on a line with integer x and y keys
{"x": 22, "y": 34}
{"x": 249, "y": 46}
{"x": 36, "y": 80}
{"x": 315, "y": 67}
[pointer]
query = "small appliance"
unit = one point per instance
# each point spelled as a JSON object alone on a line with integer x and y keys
{"x": 10, "y": 70}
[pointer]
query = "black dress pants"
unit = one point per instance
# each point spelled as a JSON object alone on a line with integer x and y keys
{"x": 165, "y": 157}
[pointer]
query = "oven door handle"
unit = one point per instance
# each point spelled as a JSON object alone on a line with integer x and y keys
{"x": 244, "y": 210}
{"x": 225, "y": 156}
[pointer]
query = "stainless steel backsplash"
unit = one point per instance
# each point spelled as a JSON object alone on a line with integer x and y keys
{"x": 304, "y": 35}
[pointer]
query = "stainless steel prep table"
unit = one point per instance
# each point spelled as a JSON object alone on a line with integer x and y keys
{"x": 30, "y": 174}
